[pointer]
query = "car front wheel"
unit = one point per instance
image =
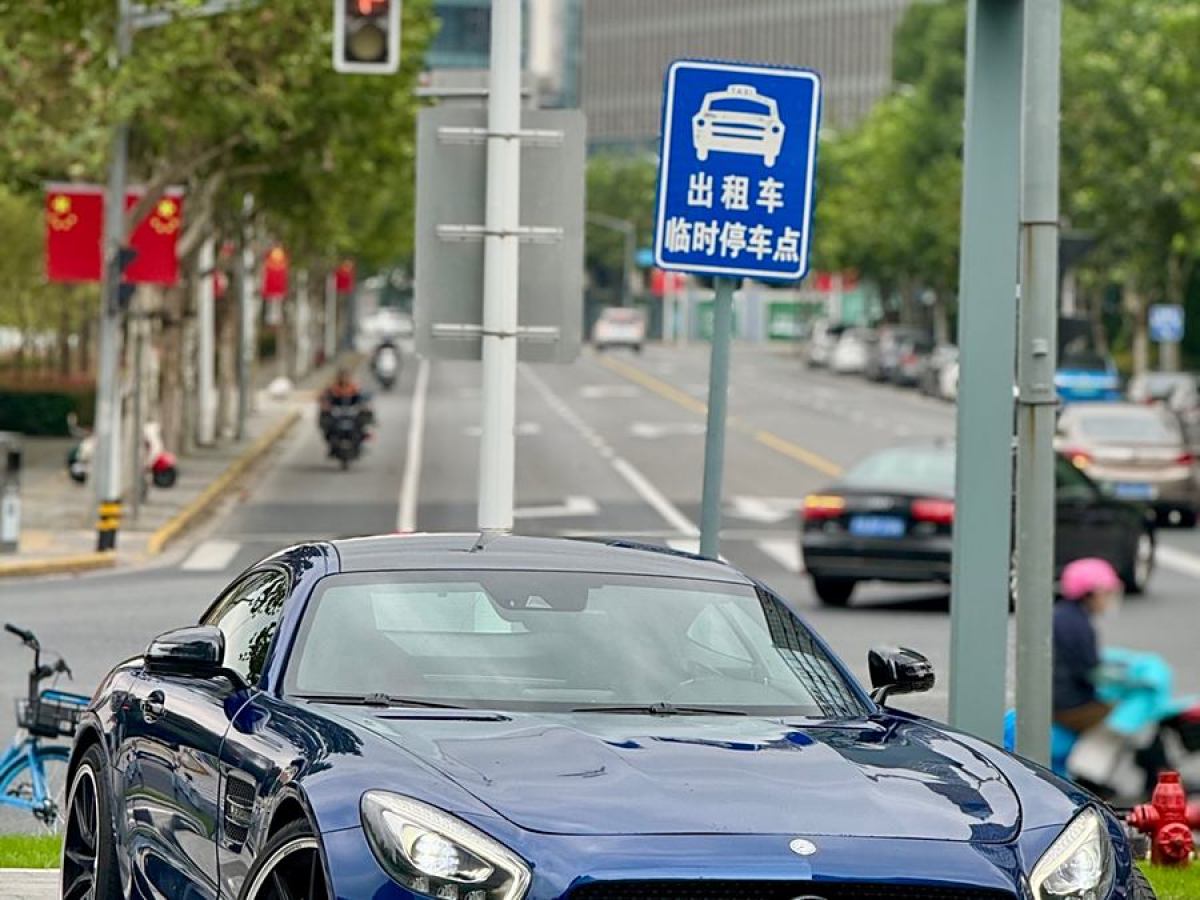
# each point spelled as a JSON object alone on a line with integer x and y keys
{"x": 288, "y": 866}
{"x": 89, "y": 861}
{"x": 835, "y": 592}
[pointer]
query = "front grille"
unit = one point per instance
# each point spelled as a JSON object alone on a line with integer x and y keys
{"x": 776, "y": 890}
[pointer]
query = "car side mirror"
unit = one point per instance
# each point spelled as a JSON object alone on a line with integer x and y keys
{"x": 198, "y": 651}
{"x": 898, "y": 670}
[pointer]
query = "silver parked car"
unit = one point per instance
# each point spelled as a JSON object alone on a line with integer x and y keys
{"x": 1136, "y": 452}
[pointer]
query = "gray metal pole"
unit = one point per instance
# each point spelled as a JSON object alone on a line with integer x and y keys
{"x": 136, "y": 475}
{"x": 1036, "y": 351}
{"x": 987, "y": 339}
{"x": 714, "y": 438}
{"x": 501, "y": 253}
{"x": 627, "y": 284}
{"x": 206, "y": 379}
{"x": 1168, "y": 356}
{"x": 244, "y": 266}
{"x": 106, "y": 466}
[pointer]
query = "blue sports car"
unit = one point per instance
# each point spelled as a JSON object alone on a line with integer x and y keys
{"x": 472, "y": 718}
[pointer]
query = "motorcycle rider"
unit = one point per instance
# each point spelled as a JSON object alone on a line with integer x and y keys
{"x": 345, "y": 393}
{"x": 1091, "y": 588}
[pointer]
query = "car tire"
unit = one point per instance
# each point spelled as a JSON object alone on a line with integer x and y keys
{"x": 834, "y": 592}
{"x": 1137, "y": 571}
{"x": 1139, "y": 887}
{"x": 281, "y": 856}
{"x": 89, "y": 860}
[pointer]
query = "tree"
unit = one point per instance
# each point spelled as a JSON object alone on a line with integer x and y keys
{"x": 624, "y": 188}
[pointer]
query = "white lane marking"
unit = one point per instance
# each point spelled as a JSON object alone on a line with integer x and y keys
{"x": 211, "y": 556}
{"x": 609, "y": 391}
{"x": 785, "y": 551}
{"x": 406, "y": 515}
{"x": 764, "y": 509}
{"x": 636, "y": 480}
{"x": 574, "y": 506}
{"x": 653, "y": 431}
{"x": 1178, "y": 560}
{"x": 521, "y": 429}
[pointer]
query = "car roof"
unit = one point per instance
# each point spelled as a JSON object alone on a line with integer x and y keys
{"x": 474, "y": 551}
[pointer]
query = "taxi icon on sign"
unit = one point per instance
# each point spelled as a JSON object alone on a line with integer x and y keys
{"x": 738, "y": 120}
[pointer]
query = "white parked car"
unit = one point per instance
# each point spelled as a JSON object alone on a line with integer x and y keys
{"x": 821, "y": 341}
{"x": 620, "y": 326}
{"x": 852, "y": 351}
{"x": 738, "y": 120}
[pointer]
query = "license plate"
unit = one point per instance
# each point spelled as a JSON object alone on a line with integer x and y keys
{"x": 1127, "y": 491}
{"x": 877, "y": 526}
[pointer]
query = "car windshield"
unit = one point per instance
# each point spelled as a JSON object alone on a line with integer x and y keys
{"x": 1083, "y": 361}
{"x": 562, "y": 641}
{"x": 1134, "y": 425}
{"x": 917, "y": 469}
{"x": 740, "y": 105}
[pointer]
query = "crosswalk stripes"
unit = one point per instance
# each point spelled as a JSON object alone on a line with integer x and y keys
{"x": 211, "y": 556}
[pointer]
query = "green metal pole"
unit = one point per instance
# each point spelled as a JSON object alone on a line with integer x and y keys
{"x": 987, "y": 340}
{"x": 714, "y": 439}
{"x": 1037, "y": 345}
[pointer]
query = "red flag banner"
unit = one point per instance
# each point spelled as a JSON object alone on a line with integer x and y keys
{"x": 275, "y": 275}
{"x": 343, "y": 278}
{"x": 75, "y": 235}
{"x": 74, "y": 232}
{"x": 155, "y": 240}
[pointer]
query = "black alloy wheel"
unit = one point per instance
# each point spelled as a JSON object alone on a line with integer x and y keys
{"x": 89, "y": 870}
{"x": 288, "y": 868}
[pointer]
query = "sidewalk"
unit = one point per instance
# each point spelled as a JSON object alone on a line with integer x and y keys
{"x": 58, "y": 516}
{"x": 28, "y": 884}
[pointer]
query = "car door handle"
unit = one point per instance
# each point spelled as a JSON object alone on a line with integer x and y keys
{"x": 154, "y": 706}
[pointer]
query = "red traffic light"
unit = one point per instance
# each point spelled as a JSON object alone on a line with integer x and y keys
{"x": 366, "y": 36}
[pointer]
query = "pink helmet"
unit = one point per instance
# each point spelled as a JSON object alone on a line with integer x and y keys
{"x": 1084, "y": 577}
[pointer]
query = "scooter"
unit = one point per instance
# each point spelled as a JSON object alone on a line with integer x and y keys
{"x": 346, "y": 431}
{"x": 1145, "y": 710}
{"x": 386, "y": 366}
{"x": 161, "y": 466}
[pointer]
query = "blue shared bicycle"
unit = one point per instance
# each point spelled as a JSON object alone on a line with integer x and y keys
{"x": 33, "y": 772}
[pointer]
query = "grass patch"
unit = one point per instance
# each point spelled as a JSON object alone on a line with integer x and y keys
{"x": 1175, "y": 884}
{"x": 29, "y": 851}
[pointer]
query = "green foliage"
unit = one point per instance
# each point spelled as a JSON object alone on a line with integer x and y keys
{"x": 243, "y": 101}
{"x": 41, "y": 407}
{"x": 622, "y": 187}
{"x": 29, "y": 851}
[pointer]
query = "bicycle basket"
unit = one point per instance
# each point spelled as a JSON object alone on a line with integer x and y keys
{"x": 55, "y": 714}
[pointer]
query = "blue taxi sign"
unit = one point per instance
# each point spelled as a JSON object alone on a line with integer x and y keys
{"x": 736, "y": 169}
{"x": 1166, "y": 323}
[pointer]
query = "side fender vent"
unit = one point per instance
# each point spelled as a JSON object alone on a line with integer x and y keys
{"x": 238, "y": 809}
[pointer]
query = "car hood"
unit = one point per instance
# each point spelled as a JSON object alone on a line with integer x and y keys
{"x": 604, "y": 774}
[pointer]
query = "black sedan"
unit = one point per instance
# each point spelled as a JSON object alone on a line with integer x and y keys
{"x": 891, "y": 518}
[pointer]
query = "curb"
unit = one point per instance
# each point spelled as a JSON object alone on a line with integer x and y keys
{"x": 59, "y": 565}
{"x": 202, "y": 504}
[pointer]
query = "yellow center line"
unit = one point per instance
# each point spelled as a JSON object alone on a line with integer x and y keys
{"x": 768, "y": 439}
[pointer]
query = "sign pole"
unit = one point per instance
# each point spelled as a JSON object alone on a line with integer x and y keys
{"x": 714, "y": 437}
{"x": 502, "y": 219}
{"x": 987, "y": 337}
{"x": 206, "y": 381}
{"x": 1037, "y": 350}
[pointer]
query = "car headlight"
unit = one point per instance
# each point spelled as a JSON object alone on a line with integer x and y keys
{"x": 1078, "y": 865}
{"x": 433, "y": 853}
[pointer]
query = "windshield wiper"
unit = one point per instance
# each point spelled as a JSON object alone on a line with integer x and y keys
{"x": 375, "y": 699}
{"x": 661, "y": 709}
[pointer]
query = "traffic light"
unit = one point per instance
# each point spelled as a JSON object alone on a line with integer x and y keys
{"x": 366, "y": 36}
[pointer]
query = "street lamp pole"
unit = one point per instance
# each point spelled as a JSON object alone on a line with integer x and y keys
{"x": 108, "y": 392}
{"x": 629, "y": 231}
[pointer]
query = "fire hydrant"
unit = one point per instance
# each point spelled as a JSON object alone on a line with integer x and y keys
{"x": 1169, "y": 821}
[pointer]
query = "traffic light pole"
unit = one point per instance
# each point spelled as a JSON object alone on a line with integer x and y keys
{"x": 1036, "y": 350}
{"x": 107, "y": 463}
{"x": 501, "y": 253}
